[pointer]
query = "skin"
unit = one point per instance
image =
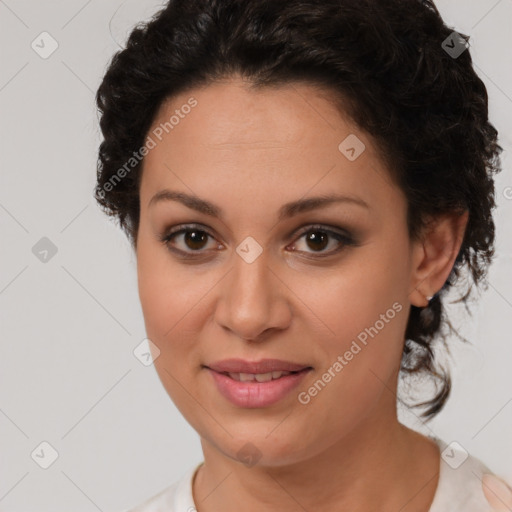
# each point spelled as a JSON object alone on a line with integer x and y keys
{"x": 250, "y": 152}
{"x": 497, "y": 492}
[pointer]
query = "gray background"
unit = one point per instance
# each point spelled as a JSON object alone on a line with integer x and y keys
{"x": 69, "y": 326}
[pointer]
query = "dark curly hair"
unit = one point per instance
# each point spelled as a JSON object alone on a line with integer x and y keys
{"x": 386, "y": 65}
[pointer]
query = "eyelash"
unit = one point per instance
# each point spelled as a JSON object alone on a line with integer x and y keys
{"x": 166, "y": 238}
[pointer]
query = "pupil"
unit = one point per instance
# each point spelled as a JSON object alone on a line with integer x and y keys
{"x": 192, "y": 238}
{"x": 196, "y": 239}
{"x": 313, "y": 237}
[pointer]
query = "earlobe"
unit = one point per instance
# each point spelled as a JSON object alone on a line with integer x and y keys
{"x": 434, "y": 256}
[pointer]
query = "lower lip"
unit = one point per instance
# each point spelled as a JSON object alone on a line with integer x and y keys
{"x": 254, "y": 394}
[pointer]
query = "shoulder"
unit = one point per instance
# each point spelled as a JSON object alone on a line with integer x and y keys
{"x": 460, "y": 481}
{"x": 175, "y": 498}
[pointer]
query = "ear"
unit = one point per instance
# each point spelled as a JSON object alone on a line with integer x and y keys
{"x": 434, "y": 254}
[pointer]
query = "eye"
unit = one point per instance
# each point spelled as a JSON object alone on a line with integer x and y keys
{"x": 317, "y": 238}
{"x": 193, "y": 239}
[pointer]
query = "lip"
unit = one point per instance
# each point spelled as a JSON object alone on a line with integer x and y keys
{"x": 255, "y": 394}
{"x": 263, "y": 366}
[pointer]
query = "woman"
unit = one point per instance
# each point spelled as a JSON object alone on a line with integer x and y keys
{"x": 302, "y": 182}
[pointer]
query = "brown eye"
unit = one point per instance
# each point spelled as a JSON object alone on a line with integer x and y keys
{"x": 187, "y": 240}
{"x": 191, "y": 241}
{"x": 195, "y": 239}
{"x": 317, "y": 240}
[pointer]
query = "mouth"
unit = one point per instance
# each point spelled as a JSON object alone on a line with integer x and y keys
{"x": 263, "y": 367}
{"x": 268, "y": 383}
{"x": 259, "y": 377}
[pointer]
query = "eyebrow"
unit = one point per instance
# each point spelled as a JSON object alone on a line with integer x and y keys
{"x": 286, "y": 211}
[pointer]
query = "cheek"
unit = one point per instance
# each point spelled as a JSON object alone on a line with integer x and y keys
{"x": 166, "y": 290}
{"x": 354, "y": 297}
{"x": 360, "y": 353}
{"x": 362, "y": 313}
{"x": 172, "y": 309}
{"x": 175, "y": 306}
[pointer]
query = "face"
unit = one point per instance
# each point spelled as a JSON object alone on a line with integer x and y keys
{"x": 322, "y": 285}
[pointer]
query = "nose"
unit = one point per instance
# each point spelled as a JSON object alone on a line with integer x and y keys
{"x": 254, "y": 300}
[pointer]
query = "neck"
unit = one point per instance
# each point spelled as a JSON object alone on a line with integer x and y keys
{"x": 378, "y": 466}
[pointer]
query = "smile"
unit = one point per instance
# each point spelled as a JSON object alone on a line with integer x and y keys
{"x": 259, "y": 377}
{"x": 256, "y": 390}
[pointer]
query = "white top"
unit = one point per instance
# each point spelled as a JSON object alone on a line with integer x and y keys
{"x": 459, "y": 488}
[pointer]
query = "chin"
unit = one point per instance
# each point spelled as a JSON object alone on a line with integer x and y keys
{"x": 266, "y": 443}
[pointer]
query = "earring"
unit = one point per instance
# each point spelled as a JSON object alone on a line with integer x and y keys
{"x": 429, "y": 298}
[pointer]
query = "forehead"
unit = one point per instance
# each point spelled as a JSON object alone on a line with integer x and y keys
{"x": 231, "y": 112}
{"x": 280, "y": 138}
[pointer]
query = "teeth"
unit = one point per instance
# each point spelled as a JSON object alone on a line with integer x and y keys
{"x": 259, "y": 377}
{"x": 263, "y": 377}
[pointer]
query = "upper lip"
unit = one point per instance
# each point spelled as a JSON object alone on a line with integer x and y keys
{"x": 263, "y": 366}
